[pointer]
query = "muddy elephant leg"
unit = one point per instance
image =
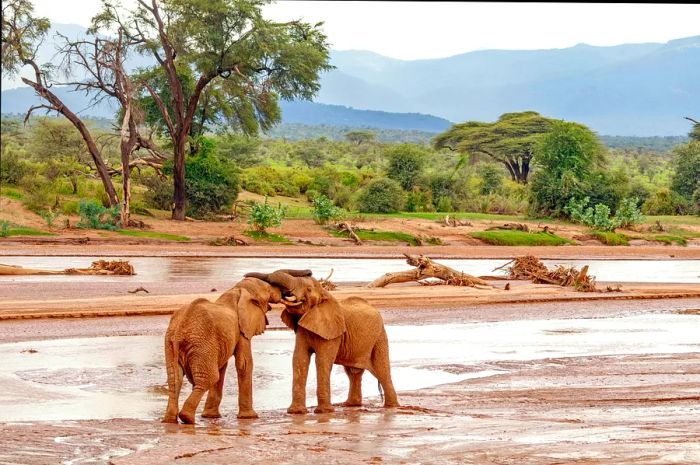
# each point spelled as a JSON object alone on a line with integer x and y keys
{"x": 211, "y": 407}
{"x": 381, "y": 369}
{"x": 175, "y": 375}
{"x": 324, "y": 363}
{"x": 355, "y": 392}
{"x": 205, "y": 374}
{"x": 244, "y": 369}
{"x": 300, "y": 367}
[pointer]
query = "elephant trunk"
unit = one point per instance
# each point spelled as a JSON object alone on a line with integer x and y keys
{"x": 266, "y": 276}
{"x": 282, "y": 280}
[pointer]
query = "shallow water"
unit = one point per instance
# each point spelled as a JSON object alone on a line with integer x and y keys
{"x": 187, "y": 269}
{"x": 115, "y": 377}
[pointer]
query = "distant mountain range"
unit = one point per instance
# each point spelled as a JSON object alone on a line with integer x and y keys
{"x": 633, "y": 89}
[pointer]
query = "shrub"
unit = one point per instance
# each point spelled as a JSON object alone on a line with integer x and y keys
{"x": 405, "y": 164}
{"x": 599, "y": 218}
{"x": 39, "y": 195}
{"x": 687, "y": 163}
{"x": 159, "y": 193}
{"x": 263, "y": 216}
{"x": 696, "y": 201}
{"x": 324, "y": 210}
{"x": 49, "y": 216}
{"x": 665, "y": 202}
{"x": 311, "y": 194}
{"x": 491, "y": 178}
{"x": 419, "y": 201}
{"x": 444, "y": 204}
{"x": 628, "y": 213}
{"x": 12, "y": 167}
{"x": 381, "y": 195}
{"x": 4, "y": 228}
{"x": 70, "y": 207}
{"x": 95, "y": 216}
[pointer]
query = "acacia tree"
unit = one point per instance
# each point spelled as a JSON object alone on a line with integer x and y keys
{"x": 510, "y": 140}
{"x": 226, "y": 43}
{"x": 22, "y": 33}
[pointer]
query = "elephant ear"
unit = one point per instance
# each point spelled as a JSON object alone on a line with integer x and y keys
{"x": 251, "y": 314}
{"x": 289, "y": 320}
{"x": 324, "y": 319}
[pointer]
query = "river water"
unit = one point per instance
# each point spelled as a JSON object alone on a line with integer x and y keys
{"x": 189, "y": 269}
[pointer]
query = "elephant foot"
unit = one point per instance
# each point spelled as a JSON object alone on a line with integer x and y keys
{"x": 211, "y": 414}
{"x": 186, "y": 417}
{"x": 352, "y": 403}
{"x": 169, "y": 419}
{"x": 247, "y": 414}
{"x": 296, "y": 410}
{"x": 324, "y": 409}
{"x": 394, "y": 403}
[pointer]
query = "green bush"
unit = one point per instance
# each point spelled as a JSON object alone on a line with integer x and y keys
{"x": 406, "y": 164}
{"x": 665, "y": 202}
{"x": 95, "y": 216}
{"x": 39, "y": 194}
{"x": 311, "y": 194}
{"x": 686, "y": 179}
{"x": 12, "y": 167}
{"x": 628, "y": 213}
{"x": 381, "y": 195}
{"x": 159, "y": 192}
{"x": 696, "y": 201}
{"x": 599, "y": 218}
{"x": 491, "y": 178}
{"x": 324, "y": 210}
{"x": 49, "y": 216}
{"x": 610, "y": 238}
{"x": 70, "y": 207}
{"x": 444, "y": 205}
{"x": 263, "y": 216}
{"x": 419, "y": 201}
{"x": 4, "y": 228}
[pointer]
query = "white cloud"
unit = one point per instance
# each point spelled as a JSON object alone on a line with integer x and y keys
{"x": 413, "y": 30}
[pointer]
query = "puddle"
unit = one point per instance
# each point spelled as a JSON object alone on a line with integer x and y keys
{"x": 188, "y": 269}
{"x": 124, "y": 376}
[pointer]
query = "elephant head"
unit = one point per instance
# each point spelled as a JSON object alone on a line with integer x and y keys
{"x": 306, "y": 303}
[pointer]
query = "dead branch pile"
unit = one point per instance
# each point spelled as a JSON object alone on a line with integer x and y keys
{"x": 326, "y": 283}
{"x": 426, "y": 268}
{"x": 454, "y": 222}
{"x": 103, "y": 267}
{"x": 531, "y": 268}
{"x": 510, "y": 227}
{"x": 230, "y": 240}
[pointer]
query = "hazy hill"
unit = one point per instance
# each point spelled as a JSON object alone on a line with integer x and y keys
{"x": 632, "y": 89}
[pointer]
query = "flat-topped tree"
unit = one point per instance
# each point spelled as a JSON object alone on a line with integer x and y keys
{"x": 510, "y": 140}
{"x": 226, "y": 43}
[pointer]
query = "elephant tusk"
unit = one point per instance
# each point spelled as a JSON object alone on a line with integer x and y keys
{"x": 292, "y": 304}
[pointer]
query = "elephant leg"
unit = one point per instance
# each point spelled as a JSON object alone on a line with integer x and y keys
{"x": 244, "y": 369}
{"x": 300, "y": 365}
{"x": 355, "y": 392}
{"x": 205, "y": 374}
{"x": 211, "y": 407}
{"x": 175, "y": 376}
{"x": 381, "y": 369}
{"x": 324, "y": 364}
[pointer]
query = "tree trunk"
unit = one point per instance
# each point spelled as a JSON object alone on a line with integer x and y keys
{"x": 179, "y": 179}
{"x": 85, "y": 133}
{"x": 510, "y": 171}
{"x": 525, "y": 171}
{"x": 126, "y": 146}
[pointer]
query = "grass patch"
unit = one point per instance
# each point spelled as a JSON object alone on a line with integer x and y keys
{"x": 611, "y": 238}
{"x": 153, "y": 235}
{"x": 23, "y": 231}
{"x": 668, "y": 239}
{"x": 519, "y": 238}
{"x": 388, "y": 236}
{"x": 267, "y": 237}
{"x": 11, "y": 193}
{"x": 439, "y": 216}
{"x": 675, "y": 219}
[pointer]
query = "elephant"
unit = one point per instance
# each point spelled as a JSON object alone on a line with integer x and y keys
{"x": 350, "y": 333}
{"x": 202, "y": 336}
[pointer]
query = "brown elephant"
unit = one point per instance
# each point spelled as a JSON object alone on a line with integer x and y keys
{"x": 202, "y": 336}
{"x": 349, "y": 333}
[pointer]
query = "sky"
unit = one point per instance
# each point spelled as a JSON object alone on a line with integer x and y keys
{"x": 421, "y": 30}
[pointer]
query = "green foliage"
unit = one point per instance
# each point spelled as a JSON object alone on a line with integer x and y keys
{"x": 444, "y": 204}
{"x": 12, "y": 167}
{"x": 491, "y": 178}
{"x": 159, "y": 192}
{"x": 565, "y": 159}
{"x": 515, "y": 238}
{"x": 419, "y": 200}
{"x": 21, "y": 32}
{"x": 267, "y": 237}
{"x": 4, "y": 228}
{"x": 696, "y": 201}
{"x": 49, "y": 216}
{"x": 263, "y": 216}
{"x": 510, "y": 140}
{"x": 670, "y": 239}
{"x": 211, "y": 184}
{"x": 241, "y": 149}
{"x": 95, "y": 216}
{"x": 406, "y": 163}
{"x": 360, "y": 137}
{"x": 324, "y": 210}
{"x": 598, "y": 217}
{"x": 381, "y": 195}
{"x": 385, "y": 236}
{"x": 687, "y": 166}
{"x": 70, "y": 207}
{"x": 665, "y": 202}
{"x": 610, "y": 238}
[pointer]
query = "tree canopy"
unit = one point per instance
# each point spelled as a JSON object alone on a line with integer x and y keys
{"x": 510, "y": 140}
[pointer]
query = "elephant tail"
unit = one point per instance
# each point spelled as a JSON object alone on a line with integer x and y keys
{"x": 172, "y": 355}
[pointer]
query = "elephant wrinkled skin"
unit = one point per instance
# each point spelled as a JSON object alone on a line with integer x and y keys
{"x": 202, "y": 336}
{"x": 350, "y": 333}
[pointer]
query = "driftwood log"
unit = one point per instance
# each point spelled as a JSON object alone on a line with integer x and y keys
{"x": 454, "y": 222}
{"x": 345, "y": 227}
{"x": 99, "y": 267}
{"x": 510, "y": 227}
{"x": 426, "y": 268}
{"x": 530, "y": 268}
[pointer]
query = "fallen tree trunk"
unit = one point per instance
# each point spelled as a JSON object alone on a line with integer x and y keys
{"x": 345, "y": 227}
{"x": 426, "y": 268}
{"x": 99, "y": 267}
